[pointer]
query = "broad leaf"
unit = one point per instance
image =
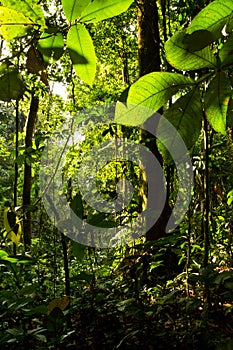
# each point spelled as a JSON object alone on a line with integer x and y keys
{"x": 78, "y": 250}
{"x": 8, "y": 27}
{"x": 102, "y": 9}
{"x": 225, "y": 54}
{"x": 11, "y": 84}
{"x": 51, "y": 44}
{"x": 82, "y": 53}
{"x": 131, "y": 114}
{"x": 213, "y": 17}
{"x": 229, "y": 26}
{"x": 180, "y": 57}
{"x": 155, "y": 89}
{"x": 29, "y": 8}
{"x": 77, "y": 206}
{"x": 230, "y": 114}
{"x": 216, "y": 101}
{"x": 198, "y": 40}
{"x": 186, "y": 116}
{"x": 60, "y": 303}
{"x": 74, "y": 8}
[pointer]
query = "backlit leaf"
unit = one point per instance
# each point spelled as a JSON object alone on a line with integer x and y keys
{"x": 198, "y": 40}
{"x": 30, "y": 8}
{"x": 13, "y": 24}
{"x": 51, "y": 44}
{"x": 82, "y": 53}
{"x": 131, "y": 114}
{"x": 74, "y": 8}
{"x": 180, "y": 57}
{"x": 185, "y": 115}
{"x": 226, "y": 53}
{"x": 155, "y": 89}
{"x": 213, "y": 17}
{"x": 216, "y": 101}
{"x": 102, "y": 9}
{"x": 230, "y": 114}
{"x": 11, "y": 84}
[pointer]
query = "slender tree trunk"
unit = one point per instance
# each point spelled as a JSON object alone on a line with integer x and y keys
{"x": 149, "y": 61}
{"x": 206, "y": 211}
{"x": 148, "y": 37}
{"x": 32, "y": 117}
{"x": 16, "y": 164}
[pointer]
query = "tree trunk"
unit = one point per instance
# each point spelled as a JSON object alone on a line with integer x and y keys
{"x": 32, "y": 117}
{"x": 149, "y": 61}
{"x": 148, "y": 37}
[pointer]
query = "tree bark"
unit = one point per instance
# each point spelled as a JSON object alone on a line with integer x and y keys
{"x": 148, "y": 37}
{"x": 27, "y": 184}
{"x": 149, "y": 61}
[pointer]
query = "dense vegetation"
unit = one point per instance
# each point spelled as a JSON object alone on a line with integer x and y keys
{"x": 104, "y": 68}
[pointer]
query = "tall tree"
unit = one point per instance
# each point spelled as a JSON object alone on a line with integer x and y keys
{"x": 149, "y": 61}
{"x": 27, "y": 184}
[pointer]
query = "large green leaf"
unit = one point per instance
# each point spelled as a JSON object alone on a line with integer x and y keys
{"x": 131, "y": 114}
{"x": 51, "y": 44}
{"x": 29, "y": 8}
{"x": 155, "y": 89}
{"x": 74, "y": 8}
{"x": 77, "y": 205}
{"x": 213, "y": 17}
{"x": 180, "y": 57}
{"x": 82, "y": 52}
{"x": 230, "y": 114}
{"x": 11, "y": 84}
{"x": 198, "y": 40}
{"x": 78, "y": 250}
{"x": 225, "y": 53}
{"x": 13, "y": 24}
{"x": 102, "y": 9}
{"x": 216, "y": 101}
{"x": 186, "y": 116}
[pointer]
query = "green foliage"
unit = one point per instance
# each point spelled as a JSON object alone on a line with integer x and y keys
{"x": 73, "y": 9}
{"x": 12, "y": 86}
{"x": 79, "y": 42}
{"x": 150, "y": 295}
{"x": 186, "y": 114}
{"x": 193, "y": 49}
{"x": 226, "y": 50}
{"x": 155, "y": 89}
{"x": 197, "y": 40}
{"x": 180, "y": 56}
{"x": 8, "y": 27}
{"x": 30, "y": 8}
{"x": 99, "y": 10}
{"x": 51, "y": 44}
{"x": 213, "y": 18}
{"x": 216, "y": 101}
{"x": 82, "y": 53}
